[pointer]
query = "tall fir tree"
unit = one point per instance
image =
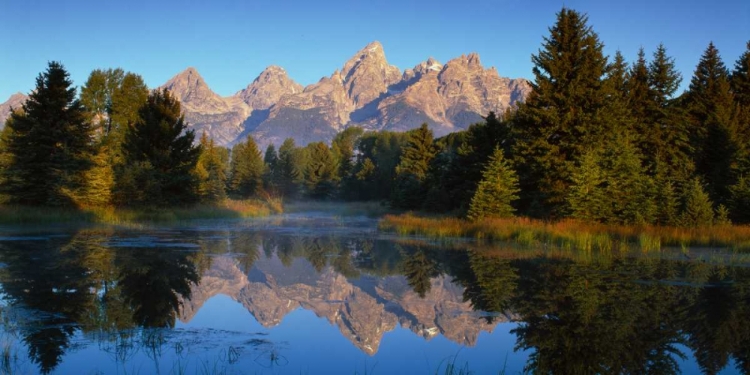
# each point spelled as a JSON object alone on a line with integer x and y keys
{"x": 246, "y": 169}
{"x": 740, "y": 79}
{"x": 716, "y": 134}
{"x": 566, "y": 111}
{"x": 668, "y": 140}
{"x": 271, "y": 160}
{"x": 412, "y": 169}
{"x": 50, "y": 144}
{"x": 497, "y": 190}
{"x": 159, "y": 150}
{"x": 697, "y": 209}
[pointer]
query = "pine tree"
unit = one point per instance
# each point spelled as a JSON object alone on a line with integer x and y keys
{"x": 739, "y": 200}
{"x": 567, "y": 110}
{"x": 639, "y": 93}
{"x": 587, "y": 200}
{"x": 291, "y": 168}
{"x": 716, "y": 136}
{"x": 740, "y": 79}
{"x": 698, "y": 209}
{"x": 246, "y": 169}
{"x": 321, "y": 177}
{"x": 412, "y": 169}
{"x": 668, "y": 140}
{"x": 99, "y": 180}
{"x": 49, "y": 144}
{"x": 497, "y": 190}
{"x": 271, "y": 160}
{"x": 211, "y": 172}
{"x": 161, "y": 147}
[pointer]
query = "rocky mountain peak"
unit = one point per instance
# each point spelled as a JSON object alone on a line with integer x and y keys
{"x": 367, "y": 75}
{"x": 15, "y": 102}
{"x": 266, "y": 90}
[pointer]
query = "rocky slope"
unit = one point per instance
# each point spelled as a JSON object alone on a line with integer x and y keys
{"x": 366, "y": 91}
{"x": 363, "y": 309}
{"x": 15, "y": 102}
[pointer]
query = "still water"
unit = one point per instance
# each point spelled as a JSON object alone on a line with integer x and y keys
{"x": 318, "y": 294}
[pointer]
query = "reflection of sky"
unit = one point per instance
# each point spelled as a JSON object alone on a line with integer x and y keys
{"x": 303, "y": 343}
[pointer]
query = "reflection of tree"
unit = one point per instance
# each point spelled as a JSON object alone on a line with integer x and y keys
{"x": 54, "y": 287}
{"x": 151, "y": 280}
{"x": 247, "y": 246}
{"x": 418, "y": 268}
{"x": 492, "y": 284}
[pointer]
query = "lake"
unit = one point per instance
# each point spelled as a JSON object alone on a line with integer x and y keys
{"x": 314, "y": 293}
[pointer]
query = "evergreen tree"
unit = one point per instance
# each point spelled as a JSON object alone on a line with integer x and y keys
{"x": 211, "y": 172}
{"x": 698, "y": 209}
{"x": 321, "y": 177}
{"x": 412, "y": 168}
{"x": 716, "y": 136}
{"x": 99, "y": 181}
{"x": 639, "y": 93}
{"x": 246, "y": 169}
{"x": 667, "y": 141}
{"x": 160, "y": 149}
{"x": 50, "y": 144}
{"x": 739, "y": 200}
{"x": 497, "y": 190}
{"x": 740, "y": 79}
{"x": 291, "y": 168}
{"x": 271, "y": 160}
{"x": 587, "y": 200}
{"x": 566, "y": 111}
{"x": 629, "y": 192}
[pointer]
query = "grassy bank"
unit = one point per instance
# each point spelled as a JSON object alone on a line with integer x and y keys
{"x": 371, "y": 209}
{"x": 228, "y": 209}
{"x": 570, "y": 233}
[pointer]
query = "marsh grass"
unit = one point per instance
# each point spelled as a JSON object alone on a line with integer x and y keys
{"x": 571, "y": 234}
{"x": 228, "y": 209}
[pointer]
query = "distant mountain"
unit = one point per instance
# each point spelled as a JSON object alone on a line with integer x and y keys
{"x": 363, "y": 309}
{"x": 15, "y": 102}
{"x": 366, "y": 92}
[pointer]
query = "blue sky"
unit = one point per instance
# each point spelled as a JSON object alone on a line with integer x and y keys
{"x": 230, "y": 42}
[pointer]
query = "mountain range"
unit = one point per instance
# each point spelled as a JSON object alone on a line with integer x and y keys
{"x": 367, "y": 91}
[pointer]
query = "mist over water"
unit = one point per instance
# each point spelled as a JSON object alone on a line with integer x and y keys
{"x": 316, "y": 293}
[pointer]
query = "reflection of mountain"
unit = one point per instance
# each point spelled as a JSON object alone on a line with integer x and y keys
{"x": 363, "y": 309}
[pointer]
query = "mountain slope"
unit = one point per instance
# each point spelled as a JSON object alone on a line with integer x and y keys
{"x": 14, "y": 102}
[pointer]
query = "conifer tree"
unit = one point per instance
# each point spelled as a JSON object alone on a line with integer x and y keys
{"x": 497, "y": 190}
{"x": 271, "y": 160}
{"x": 698, "y": 209}
{"x": 740, "y": 79}
{"x": 630, "y": 192}
{"x": 739, "y": 200}
{"x": 667, "y": 139}
{"x": 587, "y": 200}
{"x": 321, "y": 174}
{"x": 716, "y": 136}
{"x": 50, "y": 143}
{"x": 412, "y": 168}
{"x": 211, "y": 172}
{"x": 566, "y": 111}
{"x": 291, "y": 168}
{"x": 639, "y": 96}
{"x": 160, "y": 149}
{"x": 246, "y": 169}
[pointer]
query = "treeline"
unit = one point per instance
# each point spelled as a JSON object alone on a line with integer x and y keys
{"x": 597, "y": 139}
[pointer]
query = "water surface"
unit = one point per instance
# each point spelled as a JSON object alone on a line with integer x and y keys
{"x": 312, "y": 293}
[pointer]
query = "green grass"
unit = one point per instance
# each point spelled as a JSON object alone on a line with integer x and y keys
{"x": 228, "y": 209}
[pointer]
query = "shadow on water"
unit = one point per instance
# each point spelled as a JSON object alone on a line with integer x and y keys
{"x": 617, "y": 313}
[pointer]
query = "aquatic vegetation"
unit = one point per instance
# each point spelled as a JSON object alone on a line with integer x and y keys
{"x": 570, "y": 234}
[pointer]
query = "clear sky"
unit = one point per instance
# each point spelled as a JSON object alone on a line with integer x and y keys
{"x": 231, "y": 41}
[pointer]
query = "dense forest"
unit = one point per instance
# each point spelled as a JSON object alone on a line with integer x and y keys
{"x": 597, "y": 139}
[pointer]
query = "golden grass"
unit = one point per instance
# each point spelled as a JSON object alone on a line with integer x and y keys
{"x": 228, "y": 209}
{"x": 571, "y": 233}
